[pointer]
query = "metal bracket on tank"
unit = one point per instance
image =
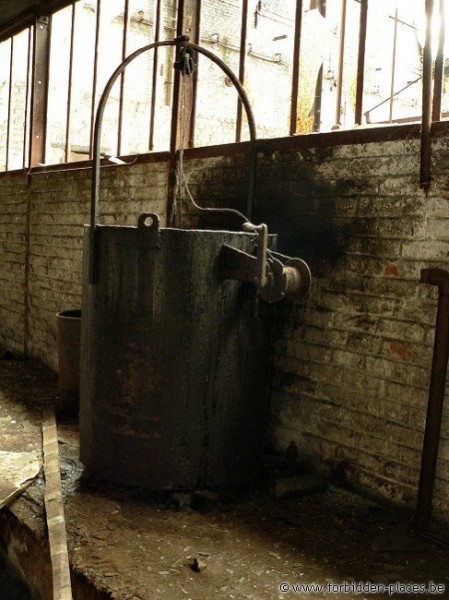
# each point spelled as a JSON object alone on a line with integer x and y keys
{"x": 149, "y": 234}
{"x": 275, "y": 275}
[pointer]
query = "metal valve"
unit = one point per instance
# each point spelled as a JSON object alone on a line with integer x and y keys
{"x": 275, "y": 275}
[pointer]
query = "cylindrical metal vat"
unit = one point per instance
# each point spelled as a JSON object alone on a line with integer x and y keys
{"x": 173, "y": 386}
{"x": 69, "y": 335}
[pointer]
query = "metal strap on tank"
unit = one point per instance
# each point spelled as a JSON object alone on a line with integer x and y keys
{"x": 94, "y": 209}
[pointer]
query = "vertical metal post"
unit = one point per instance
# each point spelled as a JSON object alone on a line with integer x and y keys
{"x": 393, "y": 66}
{"x": 242, "y": 61}
{"x": 361, "y": 62}
{"x": 187, "y": 22}
{"x": 341, "y": 55}
{"x": 439, "y": 65}
{"x": 27, "y": 93}
{"x": 426, "y": 135}
{"x": 157, "y": 35}
{"x": 122, "y": 80}
{"x": 94, "y": 78}
{"x": 69, "y": 89}
{"x": 39, "y": 90}
{"x": 8, "y": 124}
{"x": 439, "y": 278}
{"x": 295, "y": 74}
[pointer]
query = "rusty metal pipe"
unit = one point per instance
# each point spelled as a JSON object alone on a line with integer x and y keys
{"x": 439, "y": 278}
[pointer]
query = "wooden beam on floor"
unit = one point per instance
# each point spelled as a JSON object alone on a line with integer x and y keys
{"x": 62, "y": 588}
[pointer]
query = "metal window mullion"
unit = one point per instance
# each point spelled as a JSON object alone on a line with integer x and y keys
{"x": 157, "y": 33}
{"x": 242, "y": 65}
{"x": 361, "y": 62}
{"x": 341, "y": 56}
{"x": 122, "y": 79}
{"x": 295, "y": 74}
{"x": 69, "y": 87}
{"x": 439, "y": 65}
{"x": 39, "y": 90}
{"x": 27, "y": 99}
{"x": 94, "y": 77}
{"x": 8, "y": 124}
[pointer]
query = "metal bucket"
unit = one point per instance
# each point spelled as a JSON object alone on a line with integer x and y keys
{"x": 173, "y": 386}
{"x": 69, "y": 343}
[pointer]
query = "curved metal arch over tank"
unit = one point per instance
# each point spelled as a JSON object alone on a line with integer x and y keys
{"x": 174, "y": 344}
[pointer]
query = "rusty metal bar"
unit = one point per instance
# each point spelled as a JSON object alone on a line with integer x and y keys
{"x": 361, "y": 62}
{"x": 295, "y": 74}
{"x": 69, "y": 88}
{"x": 393, "y": 66}
{"x": 439, "y": 278}
{"x": 39, "y": 90}
{"x": 27, "y": 93}
{"x": 94, "y": 78}
{"x": 341, "y": 55}
{"x": 439, "y": 66}
{"x": 122, "y": 80}
{"x": 426, "y": 126}
{"x": 196, "y": 38}
{"x": 8, "y": 124}
{"x": 157, "y": 34}
{"x": 242, "y": 61}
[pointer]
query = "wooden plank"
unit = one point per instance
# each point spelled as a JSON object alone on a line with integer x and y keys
{"x": 54, "y": 507}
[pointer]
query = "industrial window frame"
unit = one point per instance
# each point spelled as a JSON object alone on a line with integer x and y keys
{"x": 189, "y": 19}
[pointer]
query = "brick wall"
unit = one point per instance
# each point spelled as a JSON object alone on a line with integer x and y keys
{"x": 351, "y": 366}
{"x": 58, "y": 208}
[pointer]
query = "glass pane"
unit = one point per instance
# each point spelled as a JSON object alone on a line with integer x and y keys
{"x": 216, "y": 108}
{"x": 110, "y": 49}
{"x": 329, "y": 54}
{"x": 138, "y": 79}
{"x": 58, "y": 86}
{"x": 5, "y": 55}
{"x": 393, "y": 64}
{"x": 82, "y": 80}
{"x": 165, "y": 74}
{"x": 445, "y": 93}
{"x": 269, "y": 55}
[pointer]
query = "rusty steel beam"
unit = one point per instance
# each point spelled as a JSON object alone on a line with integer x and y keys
{"x": 39, "y": 90}
{"x": 195, "y": 35}
{"x": 242, "y": 64}
{"x": 295, "y": 73}
{"x": 439, "y": 65}
{"x": 426, "y": 127}
{"x": 361, "y": 62}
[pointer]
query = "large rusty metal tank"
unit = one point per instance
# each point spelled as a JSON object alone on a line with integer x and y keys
{"x": 174, "y": 360}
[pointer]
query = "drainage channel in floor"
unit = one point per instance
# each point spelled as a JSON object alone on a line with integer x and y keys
{"x": 11, "y": 588}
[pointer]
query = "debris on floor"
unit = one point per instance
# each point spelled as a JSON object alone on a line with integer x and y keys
{"x": 130, "y": 544}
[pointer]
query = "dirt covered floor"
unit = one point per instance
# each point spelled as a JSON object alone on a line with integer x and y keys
{"x": 128, "y": 544}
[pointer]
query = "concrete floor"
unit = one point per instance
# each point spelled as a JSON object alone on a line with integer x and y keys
{"x": 129, "y": 544}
